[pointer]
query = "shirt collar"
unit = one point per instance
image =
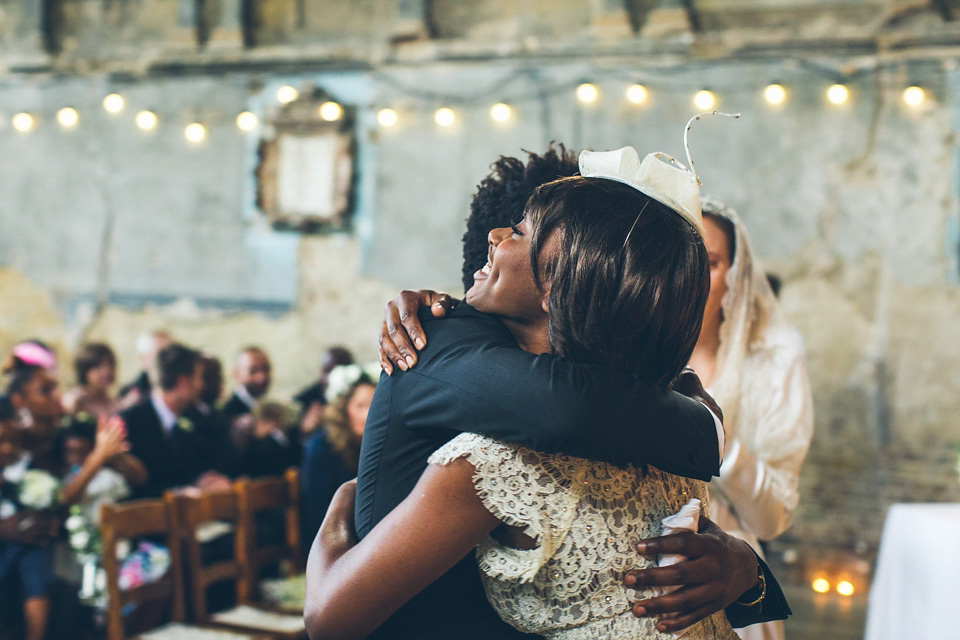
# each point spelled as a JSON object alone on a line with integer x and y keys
{"x": 168, "y": 419}
{"x": 242, "y": 393}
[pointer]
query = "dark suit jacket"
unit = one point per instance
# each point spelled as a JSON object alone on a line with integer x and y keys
{"x": 172, "y": 460}
{"x": 234, "y": 407}
{"x": 473, "y": 377}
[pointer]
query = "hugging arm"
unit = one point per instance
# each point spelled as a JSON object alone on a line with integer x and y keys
{"x": 473, "y": 377}
{"x": 352, "y": 588}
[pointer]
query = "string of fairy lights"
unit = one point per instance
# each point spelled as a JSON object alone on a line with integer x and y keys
{"x": 587, "y": 93}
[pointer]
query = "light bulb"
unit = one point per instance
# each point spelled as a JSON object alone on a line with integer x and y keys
{"x": 68, "y": 117}
{"x": 331, "y": 111}
{"x": 146, "y": 120}
{"x": 587, "y": 93}
{"x": 705, "y": 100}
{"x": 247, "y": 121}
{"x": 444, "y": 116}
{"x": 501, "y": 112}
{"x": 914, "y": 96}
{"x": 821, "y": 585}
{"x": 845, "y": 588}
{"x": 114, "y": 103}
{"x": 195, "y": 132}
{"x": 838, "y": 94}
{"x": 775, "y": 94}
{"x": 637, "y": 93}
{"x": 23, "y": 122}
{"x": 387, "y": 117}
{"x": 287, "y": 94}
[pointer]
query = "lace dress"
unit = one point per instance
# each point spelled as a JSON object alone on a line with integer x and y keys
{"x": 586, "y": 518}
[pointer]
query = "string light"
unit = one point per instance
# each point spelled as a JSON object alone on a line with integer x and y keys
{"x": 821, "y": 585}
{"x": 23, "y": 122}
{"x": 501, "y": 112}
{"x": 444, "y": 117}
{"x": 914, "y": 96}
{"x": 247, "y": 121}
{"x": 146, "y": 120}
{"x": 838, "y": 94}
{"x": 775, "y": 94}
{"x": 287, "y": 94}
{"x": 114, "y": 103}
{"x": 587, "y": 93}
{"x": 637, "y": 93}
{"x": 845, "y": 588}
{"x": 68, "y": 117}
{"x": 331, "y": 111}
{"x": 195, "y": 132}
{"x": 387, "y": 117}
{"x": 705, "y": 100}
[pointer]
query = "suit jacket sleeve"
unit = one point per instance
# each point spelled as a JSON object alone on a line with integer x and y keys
{"x": 774, "y": 605}
{"x": 473, "y": 377}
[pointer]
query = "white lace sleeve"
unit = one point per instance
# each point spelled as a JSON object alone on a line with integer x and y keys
{"x": 522, "y": 488}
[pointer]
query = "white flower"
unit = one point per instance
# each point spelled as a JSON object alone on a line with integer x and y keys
{"x": 79, "y": 540}
{"x": 38, "y": 489}
{"x": 75, "y": 523}
{"x": 341, "y": 378}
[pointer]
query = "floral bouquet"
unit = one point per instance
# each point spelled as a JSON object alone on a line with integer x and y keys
{"x": 33, "y": 489}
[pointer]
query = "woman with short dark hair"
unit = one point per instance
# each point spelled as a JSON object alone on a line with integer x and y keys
{"x": 96, "y": 367}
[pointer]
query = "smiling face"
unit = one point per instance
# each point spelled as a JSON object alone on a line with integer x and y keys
{"x": 505, "y": 287}
{"x": 253, "y": 372}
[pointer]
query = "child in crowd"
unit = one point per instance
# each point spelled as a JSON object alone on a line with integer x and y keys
{"x": 27, "y": 529}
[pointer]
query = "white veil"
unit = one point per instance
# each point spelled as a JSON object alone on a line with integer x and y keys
{"x": 749, "y": 308}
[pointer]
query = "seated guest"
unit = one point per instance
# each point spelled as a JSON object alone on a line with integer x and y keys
{"x": 148, "y": 346}
{"x": 161, "y": 436}
{"x": 213, "y": 428}
{"x": 96, "y": 368}
{"x": 26, "y": 555}
{"x": 252, "y": 375}
{"x": 96, "y": 466}
{"x": 331, "y": 455}
{"x": 270, "y": 451}
{"x": 313, "y": 398}
{"x": 34, "y": 393}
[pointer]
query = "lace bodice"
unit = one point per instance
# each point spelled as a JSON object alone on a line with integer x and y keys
{"x": 586, "y": 518}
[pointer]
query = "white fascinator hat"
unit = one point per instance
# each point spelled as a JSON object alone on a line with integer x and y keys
{"x": 658, "y": 175}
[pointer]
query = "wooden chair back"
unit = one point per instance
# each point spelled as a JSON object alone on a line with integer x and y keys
{"x": 193, "y": 512}
{"x": 128, "y": 521}
{"x": 253, "y": 497}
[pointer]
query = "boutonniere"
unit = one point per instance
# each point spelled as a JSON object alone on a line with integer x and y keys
{"x": 185, "y": 424}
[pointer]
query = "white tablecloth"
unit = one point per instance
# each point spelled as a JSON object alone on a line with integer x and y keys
{"x": 916, "y": 589}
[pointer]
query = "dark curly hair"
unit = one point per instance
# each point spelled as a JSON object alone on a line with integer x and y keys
{"x": 502, "y": 196}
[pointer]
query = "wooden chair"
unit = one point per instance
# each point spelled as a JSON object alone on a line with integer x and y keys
{"x": 257, "y": 496}
{"x": 133, "y": 520}
{"x": 194, "y": 512}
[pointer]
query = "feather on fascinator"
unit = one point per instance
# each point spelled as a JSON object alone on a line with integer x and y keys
{"x": 659, "y": 176}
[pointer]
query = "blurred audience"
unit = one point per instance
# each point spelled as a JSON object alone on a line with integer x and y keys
{"x": 331, "y": 455}
{"x": 252, "y": 375}
{"x": 270, "y": 450}
{"x": 96, "y": 368}
{"x": 212, "y": 427}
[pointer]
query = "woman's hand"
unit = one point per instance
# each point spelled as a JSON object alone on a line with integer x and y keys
{"x": 688, "y": 383}
{"x": 111, "y": 439}
{"x": 401, "y": 335}
{"x": 718, "y": 569}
